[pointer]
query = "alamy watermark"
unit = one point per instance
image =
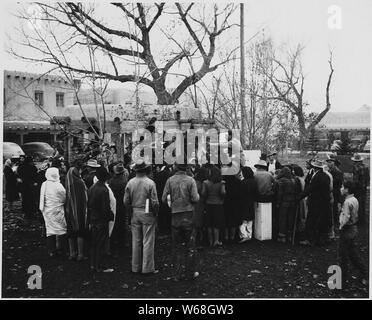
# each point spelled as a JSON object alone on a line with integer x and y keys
{"x": 335, "y": 280}
{"x": 35, "y": 280}
{"x": 334, "y": 17}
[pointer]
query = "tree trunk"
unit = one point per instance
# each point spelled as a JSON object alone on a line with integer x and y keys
{"x": 302, "y": 132}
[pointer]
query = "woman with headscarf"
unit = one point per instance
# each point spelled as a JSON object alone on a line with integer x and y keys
{"x": 76, "y": 211}
{"x": 11, "y": 192}
{"x": 52, "y": 200}
{"x": 286, "y": 204}
{"x": 301, "y": 205}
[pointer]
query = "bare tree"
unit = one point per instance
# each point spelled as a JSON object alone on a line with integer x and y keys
{"x": 223, "y": 103}
{"x": 80, "y": 24}
{"x": 288, "y": 82}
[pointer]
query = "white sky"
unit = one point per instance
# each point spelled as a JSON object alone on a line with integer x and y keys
{"x": 294, "y": 21}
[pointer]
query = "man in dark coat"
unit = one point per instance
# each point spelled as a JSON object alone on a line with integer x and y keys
{"x": 286, "y": 204}
{"x": 120, "y": 233}
{"x": 338, "y": 178}
{"x": 310, "y": 172}
{"x": 165, "y": 217}
{"x": 98, "y": 217}
{"x": 27, "y": 173}
{"x": 318, "y": 193}
{"x": 361, "y": 181}
{"x": 11, "y": 192}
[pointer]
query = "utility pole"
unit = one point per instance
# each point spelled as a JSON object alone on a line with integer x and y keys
{"x": 242, "y": 79}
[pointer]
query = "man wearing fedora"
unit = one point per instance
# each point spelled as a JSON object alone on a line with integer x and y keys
{"x": 142, "y": 200}
{"x": 338, "y": 178}
{"x": 273, "y": 164}
{"x": 91, "y": 167}
{"x": 310, "y": 172}
{"x": 266, "y": 192}
{"x": 361, "y": 182}
{"x": 265, "y": 182}
{"x": 319, "y": 201}
{"x": 98, "y": 216}
{"x": 184, "y": 195}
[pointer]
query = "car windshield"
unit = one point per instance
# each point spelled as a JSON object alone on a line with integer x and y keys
{"x": 11, "y": 147}
{"x": 42, "y": 148}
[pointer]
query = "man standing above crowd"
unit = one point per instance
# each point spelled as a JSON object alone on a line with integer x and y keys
{"x": 184, "y": 195}
{"x": 273, "y": 164}
{"x": 361, "y": 181}
{"x": 318, "y": 193}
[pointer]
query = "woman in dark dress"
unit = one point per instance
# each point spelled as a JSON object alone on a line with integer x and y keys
{"x": 232, "y": 206}
{"x": 248, "y": 196}
{"x": 213, "y": 192}
{"x": 120, "y": 233}
{"x": 11, "y": 192}
{"x": 76, "y": 211}
{"x": 27, "y": 172}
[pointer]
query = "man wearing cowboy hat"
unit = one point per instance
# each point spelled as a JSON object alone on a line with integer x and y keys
{"x": 142, "y": 200}
{"x": 319, "y": 199}
{"x": 361, "y": 182}
{"x": 92, "y": 166}
{"x": 273, "y": 164}
{"x": 338, "y": 178}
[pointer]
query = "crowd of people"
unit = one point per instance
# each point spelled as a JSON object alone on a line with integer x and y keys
{"x": 97, "y": 208}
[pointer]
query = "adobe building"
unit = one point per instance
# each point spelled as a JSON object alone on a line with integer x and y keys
{"x": 30, "y": 102}
{"x": 44, "y": 108}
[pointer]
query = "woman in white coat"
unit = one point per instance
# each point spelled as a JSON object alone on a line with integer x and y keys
{"x": 52, "y": 200}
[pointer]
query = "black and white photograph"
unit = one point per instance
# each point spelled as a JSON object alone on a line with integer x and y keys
{"x": 191, "y": 151}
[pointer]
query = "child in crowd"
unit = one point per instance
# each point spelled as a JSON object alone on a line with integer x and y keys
{"x": 348, "y": 250}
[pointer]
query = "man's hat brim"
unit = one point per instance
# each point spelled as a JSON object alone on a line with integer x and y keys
{"x": 357, "y": 159}
{"x": 315, "y": 165}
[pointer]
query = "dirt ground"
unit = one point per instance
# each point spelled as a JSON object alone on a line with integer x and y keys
{"x": 250, "y": 270}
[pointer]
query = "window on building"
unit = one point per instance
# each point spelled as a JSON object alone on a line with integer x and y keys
{"x": 39, "y": 98}
{"x": 60, "y": 99}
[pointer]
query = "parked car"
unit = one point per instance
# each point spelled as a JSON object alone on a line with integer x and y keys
{"x": 38, "y": 150}
{"x": 11, "y": 149}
